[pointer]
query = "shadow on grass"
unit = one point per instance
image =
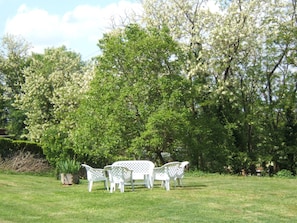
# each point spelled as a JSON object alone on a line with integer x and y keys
{"x": 128, "y": 188}
{"x": 190, "y": 187}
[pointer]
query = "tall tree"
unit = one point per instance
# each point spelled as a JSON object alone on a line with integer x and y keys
{"x": 137, "y": 75}
{"x": 241, "y": 68}
{"x": 54, "y": 82}
{"x": 13, "y": 60}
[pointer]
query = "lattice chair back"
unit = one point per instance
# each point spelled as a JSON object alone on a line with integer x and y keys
{"x": 166, "y": 173}
{"x": 172, "y": 169}
{"x": 95, "y": 174}
{"x": 119, "y": 175}
{"x": 181, "y": 172}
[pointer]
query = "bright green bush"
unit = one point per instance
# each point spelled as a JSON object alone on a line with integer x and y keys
{"x": 284, "y": 174}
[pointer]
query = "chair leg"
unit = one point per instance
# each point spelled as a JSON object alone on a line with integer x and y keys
{"x": 90, "y": 186}
{"x": 179, "y": 181}
{"x": 151, "y": 182}
{"x": 122, "y": 187}
{"x": 132, "y": 184}
{"x": 167, "y": 185}
{"x": 106, "y": 184}
{"x": 112, "y": 187}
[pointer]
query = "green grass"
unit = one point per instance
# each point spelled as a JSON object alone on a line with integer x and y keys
{"x": 209, "y": 198}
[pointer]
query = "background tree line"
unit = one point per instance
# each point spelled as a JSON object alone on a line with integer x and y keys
{"x": 217, "y": 88}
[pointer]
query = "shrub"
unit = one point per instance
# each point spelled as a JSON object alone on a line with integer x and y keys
{"x": 6, "y": 147}
{"x": 10, "y": 148}
{"x": 32, "y": 147}
{"x": 284, "y": 174}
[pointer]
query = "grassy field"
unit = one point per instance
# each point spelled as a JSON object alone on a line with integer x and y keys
{"x": 209, "y": 198}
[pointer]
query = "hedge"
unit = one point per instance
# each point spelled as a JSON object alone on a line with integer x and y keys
{"x": 9, "y": 147}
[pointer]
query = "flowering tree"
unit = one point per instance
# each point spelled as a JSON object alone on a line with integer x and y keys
{"x": 241, "y": 68}
{"x": 13, "y": 59}
{"x": 54, "y": 82}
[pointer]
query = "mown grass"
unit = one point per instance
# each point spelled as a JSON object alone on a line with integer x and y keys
{"x": 209, "y": 198}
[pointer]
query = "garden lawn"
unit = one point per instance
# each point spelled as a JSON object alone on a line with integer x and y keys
{"x": 208, "y": 198}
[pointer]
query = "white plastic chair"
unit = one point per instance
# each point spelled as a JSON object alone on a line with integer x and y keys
{"x": 180, "y": 172}
{"x": 119, "y": 175}
{"x": 94, "y": 174}
{"x": 166, "y": 173}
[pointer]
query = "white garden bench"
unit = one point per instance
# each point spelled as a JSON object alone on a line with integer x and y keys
{"x": 142, "y": 170}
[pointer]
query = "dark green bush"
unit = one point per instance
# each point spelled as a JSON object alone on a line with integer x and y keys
{"x": 26, "y": 146}
{"x": 6, "y": 147}
{"x": 9, "y": 147}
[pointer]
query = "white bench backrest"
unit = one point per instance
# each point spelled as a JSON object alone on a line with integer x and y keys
{"x": 139, "y": 167}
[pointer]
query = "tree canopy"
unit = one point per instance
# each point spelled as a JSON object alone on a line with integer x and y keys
{"x": 215, "y": 87}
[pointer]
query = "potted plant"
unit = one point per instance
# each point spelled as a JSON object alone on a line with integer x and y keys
{"x": 68, "y": 170}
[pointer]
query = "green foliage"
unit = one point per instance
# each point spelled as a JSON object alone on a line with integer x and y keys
{"x": 54, "y": 144}
{"x": 284, "y": 174}
{"x": 55, "y": 81}
{"x": 6, "y": 147}
{"x": 165, "y": 131}
{"x": 135, "y": 78}
{"x": 13, "y": 60}
{"x": 53, "y": 84}
{"x": 68, "y": 166}
{"x": 3, "y": 120}
{"x": 241, "y": 66}
{"x": 217, "y": 88}
{"x": 27, "y": 146}
{"x": 212, "y": 144}
{"x": 9, "y": 147}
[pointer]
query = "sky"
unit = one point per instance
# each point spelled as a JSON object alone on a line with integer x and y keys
{"x": 77, "y": 24}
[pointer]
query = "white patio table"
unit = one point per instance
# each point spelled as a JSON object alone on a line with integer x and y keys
{"x": 142, "y": 170}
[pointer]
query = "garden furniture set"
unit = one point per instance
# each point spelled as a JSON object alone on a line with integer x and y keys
{"x": 135, "y": 172}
